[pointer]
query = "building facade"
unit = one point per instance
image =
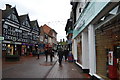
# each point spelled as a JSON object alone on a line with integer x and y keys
{"x": 53, "y": 33}
{"x": 69, "y": 33}
{"x": 11, "y": 31}
{"x": 20, "y": 34}
{"x": 96, "y": 38}
{"x": 35, "y": 33}
{"x": 48, "y": 36}
{"x": 26, "y": 35}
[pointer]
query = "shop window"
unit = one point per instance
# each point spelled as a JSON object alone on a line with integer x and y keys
{"x": 107, "y": 40}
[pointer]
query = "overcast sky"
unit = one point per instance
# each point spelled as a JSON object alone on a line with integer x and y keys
{"x": 54, "y": 13}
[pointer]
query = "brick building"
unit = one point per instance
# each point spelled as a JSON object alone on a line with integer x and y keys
{"x": 48, "y": 36}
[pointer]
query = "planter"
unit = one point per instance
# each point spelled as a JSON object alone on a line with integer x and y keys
{"x": 12, "y": 58}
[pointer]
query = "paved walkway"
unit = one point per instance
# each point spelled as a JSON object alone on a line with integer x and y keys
{"x": 68, "y": 70}
{"x": 27, "y": 67}
{"x": 31, "y": 67}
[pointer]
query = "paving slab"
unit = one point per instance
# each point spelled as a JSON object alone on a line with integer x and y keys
{"x": 68, "y": 70}
{"x": 27, "y": 67}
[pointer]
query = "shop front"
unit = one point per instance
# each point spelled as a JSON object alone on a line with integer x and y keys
{"x": 11, "y": 48}
{"x": 108, "y": 50}
{"x": 79, "y": 52}
{"x": 26, "y": 49}
{"x": 79, "y": 49}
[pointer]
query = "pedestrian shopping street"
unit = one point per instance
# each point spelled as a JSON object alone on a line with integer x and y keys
{"x": 70, "y": 39}
{"x": 31, "y": 67}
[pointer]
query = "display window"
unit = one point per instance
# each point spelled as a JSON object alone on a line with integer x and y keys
{"x": 108, "y": 50}
{"x": 10, "y": 49}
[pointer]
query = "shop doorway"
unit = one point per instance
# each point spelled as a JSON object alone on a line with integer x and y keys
{"x": 107, "y": 50}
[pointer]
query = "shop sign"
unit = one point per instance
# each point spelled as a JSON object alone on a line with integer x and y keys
{"x": 18, "y": 43}
{"x": 1, "y": 38}
{"x": 90, "y": 13}
{"x": 12, "y": 42}
{"x": 110, "y": 58}
{"x": 6, "y": 41}
{"x": 82, "y": 22}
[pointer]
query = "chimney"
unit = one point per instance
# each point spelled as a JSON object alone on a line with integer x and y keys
{"x": 8, "y": 6}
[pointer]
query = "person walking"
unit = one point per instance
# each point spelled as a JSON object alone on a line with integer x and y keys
{"x": 33, "y": 52}
{"x": 46, "y": 54}
{"x": 60, "y": 56}
{"x": 38, "y": 53}
{"x": 66, "y": 52}
{"x": 51, "y": 54}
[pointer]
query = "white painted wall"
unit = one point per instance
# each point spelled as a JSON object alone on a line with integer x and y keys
{"x": 92, "y": 54}
{"x": 85, "y": 50}
{"x": 75, "y": 49}
{"x": 77, "y": 11}
{"x": 50, "y": 40}
{"x": 81, "y": 4}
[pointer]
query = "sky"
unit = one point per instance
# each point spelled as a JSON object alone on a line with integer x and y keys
{"x": 54, "y": 13}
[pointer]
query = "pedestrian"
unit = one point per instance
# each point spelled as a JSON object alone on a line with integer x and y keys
{"x": 46, "y": 54}
{"x": 51, "y": 54}
{"x": 66, "y": 52}
{"x": 33, "y": 52}
{"x": 38, "y": 53}
{"x": 60, "y": 56}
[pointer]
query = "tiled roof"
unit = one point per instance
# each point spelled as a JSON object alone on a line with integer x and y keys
{"x": 22, "y": 18}
{"x": 47, "y": 30}
{"x": 6, "y": 13}
{"x": 33, "y": 24}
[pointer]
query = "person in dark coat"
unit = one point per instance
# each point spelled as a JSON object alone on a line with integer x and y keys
{"x": 60, "y": 56}
{"x": 46, "y": 54}
{"x": 66, "y": 52}
{"x": 34, "y": 52}
{"x": 38, "y": 53}
{"x": 50, "y": 53}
